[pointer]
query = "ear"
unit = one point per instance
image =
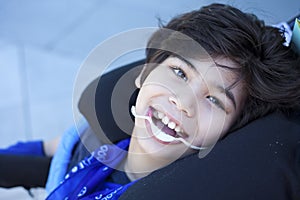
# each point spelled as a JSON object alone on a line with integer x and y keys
{"x": 138, "y": 78}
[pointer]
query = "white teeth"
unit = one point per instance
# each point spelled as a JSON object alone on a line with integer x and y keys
{"x": 165, "y": 120}
{"x": 160, "y": 115}
{"x": 155, "y": 114}
{"x": 171, "y": 125}
{"x": 161, "y": 135}
{"x": 177, "y": 129}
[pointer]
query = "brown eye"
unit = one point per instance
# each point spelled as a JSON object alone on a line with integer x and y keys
{"x": 180, "y": 73}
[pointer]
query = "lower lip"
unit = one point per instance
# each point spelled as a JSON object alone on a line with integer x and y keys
{"x": 149, "y": 113}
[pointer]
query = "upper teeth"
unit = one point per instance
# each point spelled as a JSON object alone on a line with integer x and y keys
{"x": 171, "y": 125}
{"x": 161, "y": 135}
{"x": 166, "y": 121}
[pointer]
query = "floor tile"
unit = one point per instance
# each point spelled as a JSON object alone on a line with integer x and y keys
{"x": 51, "y": 118}
{"x": 51, "y": 76}
{"x": 13, "y": 127}
{"x": 10, "y": 82}
{"x": 20, "y": 193}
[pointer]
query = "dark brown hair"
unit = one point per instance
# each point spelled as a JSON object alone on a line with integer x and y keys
{"x": 270, "y": 70}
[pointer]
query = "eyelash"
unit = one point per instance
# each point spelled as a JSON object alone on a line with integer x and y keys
{"x": 183, "y": 76}
{"x": 178, "y": 70}
{"x": 216, "y": 101}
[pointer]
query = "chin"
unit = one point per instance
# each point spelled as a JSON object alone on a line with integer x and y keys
{"x": 165, "y": 152}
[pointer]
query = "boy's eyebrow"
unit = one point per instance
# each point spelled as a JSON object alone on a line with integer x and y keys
{"x": 228, "y": 94}
{"x": 188, "y": 63}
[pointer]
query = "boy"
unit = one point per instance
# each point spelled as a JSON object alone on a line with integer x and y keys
{"x": 207, "y": 72}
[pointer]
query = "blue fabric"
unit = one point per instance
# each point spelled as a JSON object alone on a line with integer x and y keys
{"x": 34, "y": 148}
{"x": 87, "y": 180}
{"x": 63, "y": 155}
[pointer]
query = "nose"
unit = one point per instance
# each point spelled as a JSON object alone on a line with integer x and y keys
{"x": 183, "y": 103}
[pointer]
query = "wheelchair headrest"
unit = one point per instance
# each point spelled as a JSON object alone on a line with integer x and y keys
{"x": 97, "y": 105}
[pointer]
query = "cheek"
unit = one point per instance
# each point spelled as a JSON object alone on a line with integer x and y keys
{"x": 140, "y": 101}
{"x": 146, "y": 94}
{"x": 209, "y": 126}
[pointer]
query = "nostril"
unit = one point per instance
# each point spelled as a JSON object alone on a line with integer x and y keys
{"x": 173, "y": 100}
{"x": 178, "y": 105}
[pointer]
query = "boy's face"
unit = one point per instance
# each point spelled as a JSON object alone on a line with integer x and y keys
{"x": 186, "y": 99}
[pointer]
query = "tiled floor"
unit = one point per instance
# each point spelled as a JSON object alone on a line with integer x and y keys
{"x": 43, "y": 43}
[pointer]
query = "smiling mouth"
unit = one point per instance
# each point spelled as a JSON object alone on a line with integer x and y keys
{"x": 163, "y": 127}
{"x": 163, "y": 136}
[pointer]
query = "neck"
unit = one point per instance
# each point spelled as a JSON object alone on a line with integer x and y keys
{"x": 139, "y": 164}
{"x": 131, "y": 172}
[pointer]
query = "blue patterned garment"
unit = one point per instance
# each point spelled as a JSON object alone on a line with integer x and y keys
{"x": 87, "y": 180}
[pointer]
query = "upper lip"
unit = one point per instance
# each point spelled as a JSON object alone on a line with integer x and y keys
{"x": 177, "y": 122}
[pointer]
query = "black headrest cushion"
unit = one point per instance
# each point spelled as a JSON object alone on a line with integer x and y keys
{"x": 258, "y": 161}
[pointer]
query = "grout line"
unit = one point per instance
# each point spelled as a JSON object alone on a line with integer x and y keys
{"x": 24, "y": 92}
{"x": 83, "y": 17}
